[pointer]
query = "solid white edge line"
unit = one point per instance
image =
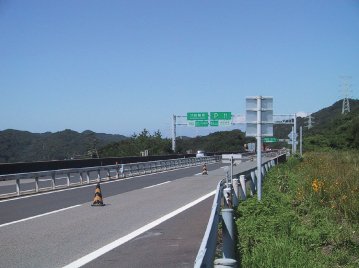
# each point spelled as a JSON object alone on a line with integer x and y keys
{"x": 148, "y": 187}
{"x": 97, "y": 253}
{"x": 37, "y": 216}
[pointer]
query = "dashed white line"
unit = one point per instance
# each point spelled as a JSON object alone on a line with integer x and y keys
{"x": 37, "y": 216}
{"x": 148, "y": 187}
{"x": 97, "y": 253}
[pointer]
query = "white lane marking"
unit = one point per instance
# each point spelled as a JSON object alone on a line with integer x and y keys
{"x": 97, "y": 253}
{"x": 86, "y": 185}
{"x": 148, "y": 187}
{"x": 37, "y": 216}
{"x": 198, "y": 174}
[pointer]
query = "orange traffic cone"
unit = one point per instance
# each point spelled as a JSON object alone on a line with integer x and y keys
{"x": 204, "y": 170}
{"x": 97, "y": 200}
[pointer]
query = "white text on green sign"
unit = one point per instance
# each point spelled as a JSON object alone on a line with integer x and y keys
{"x": 197, "y": 116}
{"x": 221, "y": 115}
{"x": 270, "y": 139}
{"x": 201, "y": 123}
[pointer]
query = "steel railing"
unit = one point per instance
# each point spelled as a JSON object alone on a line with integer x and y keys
{"x": 236, "y": 186}
{"x": 89, "y": 175}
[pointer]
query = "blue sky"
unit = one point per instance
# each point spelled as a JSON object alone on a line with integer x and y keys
{"x": 121, "y": 66}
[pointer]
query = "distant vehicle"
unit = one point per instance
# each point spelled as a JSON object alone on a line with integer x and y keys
{"x": 200, "y": 154}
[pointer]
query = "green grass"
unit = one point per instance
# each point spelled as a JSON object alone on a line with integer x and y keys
{"x": 308, "y": 216}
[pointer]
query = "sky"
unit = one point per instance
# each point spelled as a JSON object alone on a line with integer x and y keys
{"x": 120, "y": 66}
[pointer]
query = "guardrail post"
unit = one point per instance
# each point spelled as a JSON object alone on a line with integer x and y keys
{"x": 141, "y": 169}
{"x": 18, "y": 186}
{"x": 231, "y": 167}
{"x": 68, "y": 179}
{"x": 122, "y": 171}
{"x": 226, "y": 171}
{"x": 108, "y": 174}
{"x": 81, "y": 178}
{"x": 149, "y": 166}
{"x": 53, "y": 182}
{"x": 227, "y": 194}
{"x": 263, "y": 172}
{"x": 88, "y": 176}
{"x": 117, "y": 172}
{"x": 36, "y": 184}
{"x": 228, "y": 234}
{"x": 144, "y": 168}
{"x": 242, "y": 188}
{"x": 236, "y": 192}
{"x": 98, "y": 176}
{"x": 253, "y": 183}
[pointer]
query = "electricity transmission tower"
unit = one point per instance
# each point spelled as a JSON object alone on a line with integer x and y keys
{"x": 346, "y": 92}
{"x": 310, "y": 121}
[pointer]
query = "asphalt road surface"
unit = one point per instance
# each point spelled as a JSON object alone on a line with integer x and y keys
{"x": 154, "y": 220}
{"x": 56, "y": 229}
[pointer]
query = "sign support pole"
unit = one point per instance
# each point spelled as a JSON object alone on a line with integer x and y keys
{"x": 295, "y": 134}
{"x": 259, "y": 116}
{"x": 259, "y": 147}
{"x": 293, "y": 141}
{"x": 174, "y": 133}
{"x": 301, "y": 140}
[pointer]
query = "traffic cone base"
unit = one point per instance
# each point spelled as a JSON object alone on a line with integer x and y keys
{"x": 97, "y": 200}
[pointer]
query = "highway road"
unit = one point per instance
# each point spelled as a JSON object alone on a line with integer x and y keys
{"x": 154, "y": 220}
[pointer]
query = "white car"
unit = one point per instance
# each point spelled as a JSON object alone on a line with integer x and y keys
{"x": 200, "y": 154}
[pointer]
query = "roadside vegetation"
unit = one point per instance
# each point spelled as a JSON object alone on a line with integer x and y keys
{"x": 308, "y": 216}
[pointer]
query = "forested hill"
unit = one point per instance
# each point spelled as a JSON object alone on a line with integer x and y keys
{"x": 324, "y": 118}
{"x": 23, "y": 146}
{"x": 332, "y": 129}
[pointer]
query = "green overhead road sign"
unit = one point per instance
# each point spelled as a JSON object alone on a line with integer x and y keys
{"x": 201, "y": 123}
{"x": 198, "y": 123}
{"x": 270, "y": 139}
{"x": 221, "y": 116}
{"x": 213, "y": 119}
{"x": 197, "y": 116}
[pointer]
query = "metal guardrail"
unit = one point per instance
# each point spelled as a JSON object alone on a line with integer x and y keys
{"x": 237, "y": 191}
{"x": 120, "y": 171}
{"x": 209, "y": 242}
